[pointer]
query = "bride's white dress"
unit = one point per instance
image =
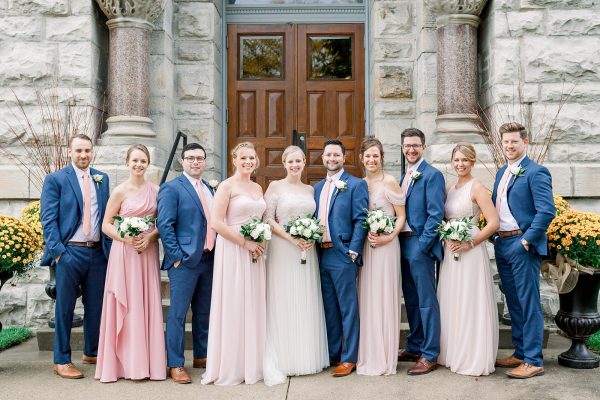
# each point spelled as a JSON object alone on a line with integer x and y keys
{"x": 296, "y": 335}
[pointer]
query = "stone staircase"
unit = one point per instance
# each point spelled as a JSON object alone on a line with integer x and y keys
{"x": 45, "y": 336}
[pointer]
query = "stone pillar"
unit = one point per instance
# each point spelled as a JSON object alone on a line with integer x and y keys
{"x": 457, "y": 22}
{"x": 130, "y": 23}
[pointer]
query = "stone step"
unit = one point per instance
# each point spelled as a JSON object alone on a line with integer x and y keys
{"x": 45, "y": 337}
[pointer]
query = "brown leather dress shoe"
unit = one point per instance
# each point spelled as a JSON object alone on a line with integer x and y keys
{"x": 404, "y": 355}
{"x": 333, "y": 363}
{"x": 525, "y": 371}
{"x": 180, "y": 375}
{"x": 89, "y": 359}
{"x": 199, "y": 362}
{"x": 422, "y": 366}
{"x": 508, "y": 362}
{"x": 67, "y": 371}
{"x": 343, "y": 369}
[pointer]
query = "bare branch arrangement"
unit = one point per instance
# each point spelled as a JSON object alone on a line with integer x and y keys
{"x": 45, "y": 144}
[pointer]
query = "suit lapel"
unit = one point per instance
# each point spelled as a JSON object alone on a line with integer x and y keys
{"x": 191, "y": 191}
{"x": 99, "y": 197}
{"x": 72, "y": 177}
{"x": 513, "y": 178}
{"x": 343, "y": 178}
{"x": 411, "y": 184}
{"x": 210, "y": 188}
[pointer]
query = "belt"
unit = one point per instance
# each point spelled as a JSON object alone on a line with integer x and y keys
{"x": 90, "y": 244}
{"x": 326, "y": 245}
{"x": 405, "y": 234}
{"x": 505, "y": 234}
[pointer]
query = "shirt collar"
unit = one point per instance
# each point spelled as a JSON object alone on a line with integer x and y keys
{"x": 80, "y": 172}
{"x": 337, "y": 176}
{"x": 416, "y": 166}
{"x": 518, "y": 162}
{"x": 193, "y": 181}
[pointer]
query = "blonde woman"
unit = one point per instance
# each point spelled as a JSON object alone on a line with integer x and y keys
{"x": 296, "y": 333}
{"x": 236, "y": 332}
{"x": 468, "y": 312}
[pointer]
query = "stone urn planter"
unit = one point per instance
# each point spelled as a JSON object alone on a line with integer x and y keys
{"x": 578, "y": 317}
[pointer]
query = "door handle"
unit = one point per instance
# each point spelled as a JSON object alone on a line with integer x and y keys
{"x": 302, "y": 141}
{"x": 294, "y": 137}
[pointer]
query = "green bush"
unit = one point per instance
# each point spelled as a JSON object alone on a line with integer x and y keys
{"x": 13, "y": 335}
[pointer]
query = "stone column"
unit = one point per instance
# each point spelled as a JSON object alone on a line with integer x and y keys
{"x": 457, "y": 22}
{"x": 130, "y": 23}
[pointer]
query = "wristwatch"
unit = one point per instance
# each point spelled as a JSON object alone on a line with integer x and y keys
{"x": 525, "y": 244}
{"x": 353, "y": 256}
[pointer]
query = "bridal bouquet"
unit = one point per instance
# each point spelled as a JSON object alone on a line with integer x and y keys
{"x": 307, "y": 228}
{"x": 257, "y": 230}
{"x": 133, "y": 226}
{"x": 458, "y": 229}
{"x": 378, "y": 222}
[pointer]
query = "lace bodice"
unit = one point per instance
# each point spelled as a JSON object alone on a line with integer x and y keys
{"x": 282, "y": 207}
{"x": 459, "y": 203}
{"x": 385, "y": 199}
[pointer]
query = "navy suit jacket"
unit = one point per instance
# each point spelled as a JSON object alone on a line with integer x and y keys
{"x": 425, "y": 200}
{"x": 530, "y": 202}
{"x": 61, "y": 210}
{"x": 346, "y": 215}
{"x": 181, "y": 222}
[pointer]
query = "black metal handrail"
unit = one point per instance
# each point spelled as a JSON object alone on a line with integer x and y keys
{"x": 172, "y": 154}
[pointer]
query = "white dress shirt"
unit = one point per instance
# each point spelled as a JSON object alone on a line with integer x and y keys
{"x": 334, "y": 179}
{"x": 507, "y": 220}
{"x": 208, "y": 196}
{"x": 414, "y": 168}
{"x": 94, "y": 235}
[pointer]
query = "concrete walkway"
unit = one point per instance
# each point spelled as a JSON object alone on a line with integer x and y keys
{"x": 26, "y": 374}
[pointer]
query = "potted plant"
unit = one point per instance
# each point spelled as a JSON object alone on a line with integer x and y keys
{"x": 575, "y": 237}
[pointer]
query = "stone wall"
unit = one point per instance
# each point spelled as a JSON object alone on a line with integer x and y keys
{"x": 547, "y": 49}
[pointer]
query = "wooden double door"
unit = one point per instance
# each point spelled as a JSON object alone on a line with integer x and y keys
{"x": 296, "y": 84}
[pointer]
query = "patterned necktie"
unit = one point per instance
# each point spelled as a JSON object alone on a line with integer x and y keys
{"x": 406, "y": 180}
{"x": 210, "y": 233}
{"x": 87, "y": 205}
{"x": 324, "y": 208}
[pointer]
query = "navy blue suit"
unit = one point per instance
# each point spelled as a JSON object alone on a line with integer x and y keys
{"x": 425, "y": 201}
{"x": 61, "y": 213}
{"x": 338, "y": 271}
{"x": 531, "y": 203}
{"x": 182, "y": 226}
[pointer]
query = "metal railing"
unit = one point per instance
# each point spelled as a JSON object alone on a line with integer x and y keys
{"x": 172, "y": 154}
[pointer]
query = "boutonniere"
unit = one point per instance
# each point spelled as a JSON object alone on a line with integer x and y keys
{"x": 213, "y": 183}
{"x": 517, "y": 171}
{"x": 98, "y": 178}
{"x": 341, "y": 185}
{"x": 415, "y": 176}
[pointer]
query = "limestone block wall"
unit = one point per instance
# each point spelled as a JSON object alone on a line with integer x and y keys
{"x": 549, "y": 48}
{"x": 58, "y": 44}
{"x": 392, "y": 74}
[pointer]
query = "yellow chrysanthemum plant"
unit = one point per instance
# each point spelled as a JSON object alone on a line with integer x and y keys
{"x": 576, "y": 235}
{"x": 31, "y": 216}
{"x": 19, "y": 246}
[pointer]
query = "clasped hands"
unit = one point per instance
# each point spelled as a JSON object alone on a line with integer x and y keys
{"x": 456, "y": 247}
{"x": 139, "y": 243}
{"x": 255, "y": 248}
{"x": 379, "y": 239}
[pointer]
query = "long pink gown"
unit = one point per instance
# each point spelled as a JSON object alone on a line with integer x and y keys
{"x": 132, "y": 341}
{"x": 237, "y": 327}
{"x": 468, "y": 311}
{"x": 378, "y": 297}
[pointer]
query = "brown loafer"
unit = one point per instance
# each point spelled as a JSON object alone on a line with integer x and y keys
{"x": 508, "y": 362}
{"x": 422, "y": 366}
{"x": 343, "y": 369}
{"x": 525, "y": 371}
{"x": 180, "y": 375}
{"x": 67, "y": 371}
{"x": 404, "y": 355}
{"x": 333, "y": 363}
{"x": 199, "y": 362}
{"x": 89, "y": 359}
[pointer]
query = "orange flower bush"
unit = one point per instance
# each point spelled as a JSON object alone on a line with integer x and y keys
{"x": 561, "y": 204}
{"x": 18, "y": 245}
{"x": 576, "y": 235}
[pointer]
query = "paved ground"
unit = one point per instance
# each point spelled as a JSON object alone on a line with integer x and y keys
{"x": 25, "y": 374}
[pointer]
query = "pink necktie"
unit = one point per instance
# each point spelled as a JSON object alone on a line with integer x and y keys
{"x": 406, "y": 181}
{"x": 210, "y": 233}
{"x": 324, "y": 208}
{"x": 87, "y": 205}
{"x": 502, "y": 187}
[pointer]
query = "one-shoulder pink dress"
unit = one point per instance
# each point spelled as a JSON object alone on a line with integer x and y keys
{"x": 132, "y": 341}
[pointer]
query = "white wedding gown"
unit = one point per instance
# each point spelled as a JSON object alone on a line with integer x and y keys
{"x": 296, "y": 335}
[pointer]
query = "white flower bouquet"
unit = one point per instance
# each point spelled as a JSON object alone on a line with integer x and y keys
{"x": 133, "y": 226}
{"x": 256, "y": 230}
{"x": 378, "y": 222}
{"x": 458, "y": 229}
{"x": 307, "y": 228}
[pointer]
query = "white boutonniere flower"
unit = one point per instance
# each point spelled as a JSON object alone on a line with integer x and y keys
{"x": 213, "y": 183}
{"x": 341, "y": 185}
{"x": 415, "y": 176}
{"x": 98, "y": 178}
{"x": 517, "y": 171}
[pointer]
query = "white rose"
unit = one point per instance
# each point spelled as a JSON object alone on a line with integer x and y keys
{"x": 307, "y": 233}
{"x": 123, "y": 227}
{"x": 388, "y": 229}
{"x": 515, "y": 170}
{"x": 454, "y": 236}
{"x": 255, "y": 234}
{"x": 293, "y": 231}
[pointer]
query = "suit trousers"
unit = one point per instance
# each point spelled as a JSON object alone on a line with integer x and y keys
{"x": 189, "y": 285}
{"x": 86, "y": 268}
{"x": 520, "y": 274}
{"x": 420, "y": 299}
